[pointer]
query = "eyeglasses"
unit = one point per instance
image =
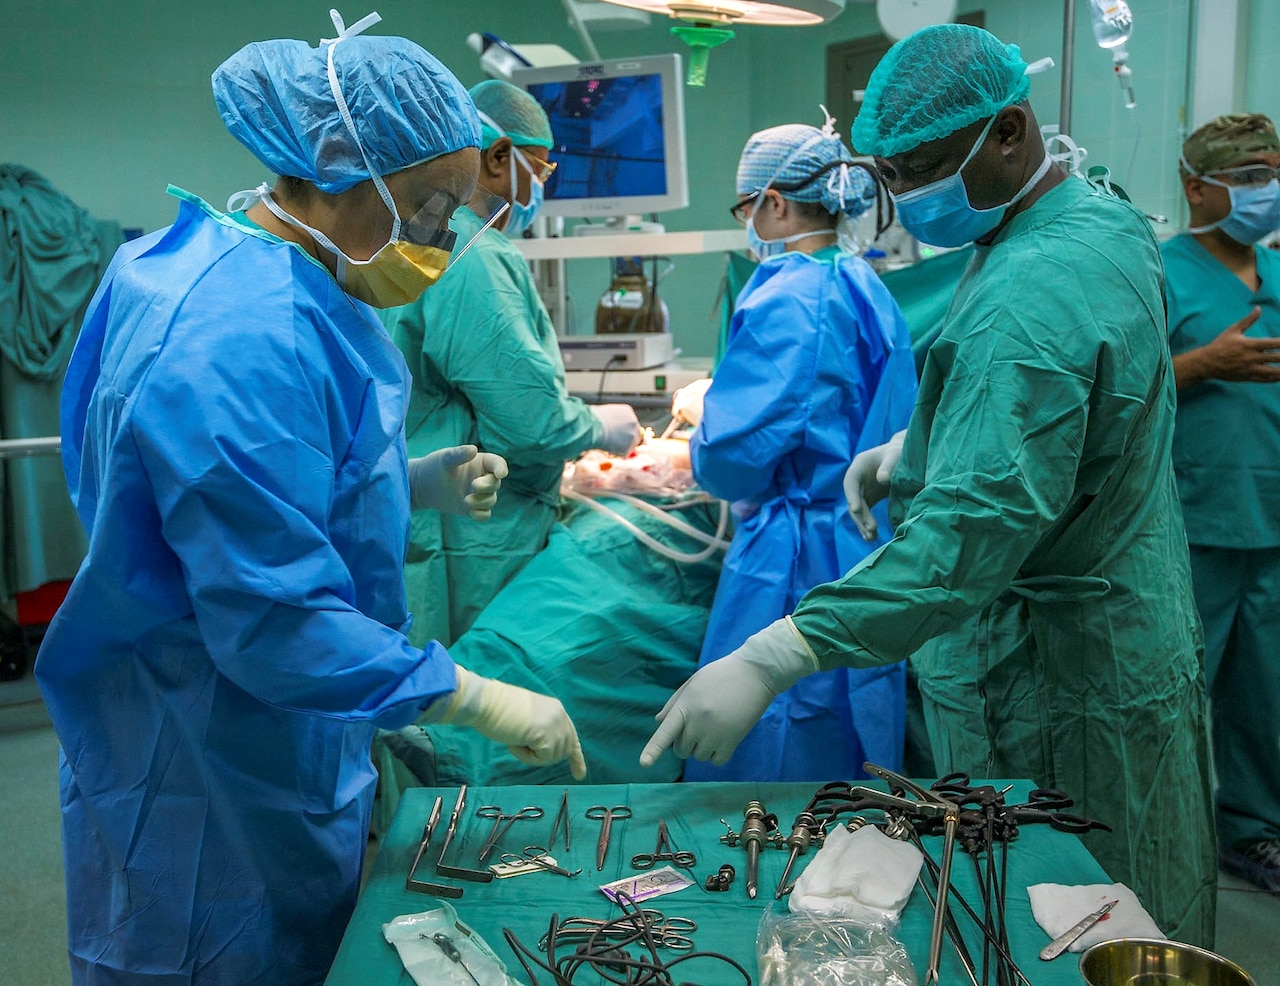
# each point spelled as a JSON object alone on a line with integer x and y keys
{"x": 741, "y": 212}
{"x": 1249, "y": 174}
{"x": 541, "y": 170}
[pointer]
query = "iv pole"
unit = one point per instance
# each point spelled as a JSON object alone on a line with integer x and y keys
{"x": 1068, "y": 64}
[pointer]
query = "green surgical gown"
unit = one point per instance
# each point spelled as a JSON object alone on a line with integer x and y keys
{"x": 1035, "y": 500}
{"x": 1226, "y": 455}
{"x": 486, "y": 371}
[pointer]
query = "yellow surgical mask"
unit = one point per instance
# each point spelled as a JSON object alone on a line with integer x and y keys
{"x": 395, "y": 275}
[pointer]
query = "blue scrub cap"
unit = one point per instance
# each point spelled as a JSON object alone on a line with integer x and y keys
{"x": 515, "y": 111}
{"x": 814, "y": 159}
{"x": 275, "y": 98}
{"x": 936, "y": 81}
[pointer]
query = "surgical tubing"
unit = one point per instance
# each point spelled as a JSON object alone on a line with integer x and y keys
{"x": 666, "y": 516}
{"x": 714, "y": 542}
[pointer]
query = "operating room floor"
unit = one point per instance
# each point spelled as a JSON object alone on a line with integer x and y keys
{"x": 32, "y": 907}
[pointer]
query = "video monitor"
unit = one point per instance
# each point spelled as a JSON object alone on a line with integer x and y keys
{"x": 618, "y": 128}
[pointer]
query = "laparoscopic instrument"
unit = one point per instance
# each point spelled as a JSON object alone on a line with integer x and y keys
{"x": 758, "y": 827}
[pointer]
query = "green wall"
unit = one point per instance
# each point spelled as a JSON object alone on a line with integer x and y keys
{"x": 110, "y": 99}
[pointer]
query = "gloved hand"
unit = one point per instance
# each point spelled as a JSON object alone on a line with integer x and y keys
{"x": 866, "y": 482}
{"x": 709, "y": 714}
{"x": 687, "y": 402}
{"x": 457, "y": 480}
{"x": 535, "y": 728}
{"x": 621, "y": 427}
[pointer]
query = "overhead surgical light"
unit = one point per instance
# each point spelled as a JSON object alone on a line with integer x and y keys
{"x": 709, "y": 23}
{"x": 900, "y": 18}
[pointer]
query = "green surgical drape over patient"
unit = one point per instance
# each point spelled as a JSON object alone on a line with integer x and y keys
{"x": 1036, "y": 496}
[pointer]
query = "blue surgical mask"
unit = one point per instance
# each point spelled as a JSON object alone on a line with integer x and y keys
{"x": 523, "y": 214}
{"x": 1255, "y": 211}
{"x": 940, "y": 214}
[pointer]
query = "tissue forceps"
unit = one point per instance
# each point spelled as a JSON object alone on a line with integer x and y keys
{"x": 499, "y": 830}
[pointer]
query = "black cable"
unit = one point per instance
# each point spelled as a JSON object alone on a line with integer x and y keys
{"x": 603, "y": 953}
{"x": 615, "y": 358}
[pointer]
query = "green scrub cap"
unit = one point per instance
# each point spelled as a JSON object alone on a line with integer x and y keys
{"x": 515, "y": 111}
{"x": 934, "y": 82}
{"x": 1228, "y": 141}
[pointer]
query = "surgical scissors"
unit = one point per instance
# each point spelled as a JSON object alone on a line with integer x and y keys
{"x": 499, "y": 830}
{"x": 674, "y": 932}
{"x": 539, "y": 857}
{"x": 1046, "y": 804}
{"x": 605, "y": 816}
{"x": 664, "y": 852}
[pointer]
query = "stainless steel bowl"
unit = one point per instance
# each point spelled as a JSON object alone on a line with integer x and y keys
{"x": 1155, "y": 962}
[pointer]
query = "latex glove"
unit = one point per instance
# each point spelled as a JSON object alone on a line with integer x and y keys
{"x": 687, "y": 402}
{"x": 620, "y": 425}
{"x": 535, "y": 728}
{"x": 457, "y": 480}
{"x": 866, "y": 482}
{"x": 709, "y": 714}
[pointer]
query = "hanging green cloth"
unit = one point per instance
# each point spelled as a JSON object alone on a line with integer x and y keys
{"x": 51, "y": 259}
{"x": 49, "y": 267}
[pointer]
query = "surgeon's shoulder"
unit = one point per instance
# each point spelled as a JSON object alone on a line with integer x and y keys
{"x": 264, "y": 310}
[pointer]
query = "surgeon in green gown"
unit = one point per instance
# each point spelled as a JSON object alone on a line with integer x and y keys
{"x": 1034, "y": 491}
{"x": 1224, "y": 330}
{"x": 487, "y": 372}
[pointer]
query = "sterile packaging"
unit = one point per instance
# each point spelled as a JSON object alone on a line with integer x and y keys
{"x": 804, "y": 949}
{"x": 864, "y": 876}
{"x": 646, "y": 886}
{"x": 439, "y": 950}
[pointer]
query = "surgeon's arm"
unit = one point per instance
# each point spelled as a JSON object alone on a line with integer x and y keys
{"x": 515, "y": 386}
{"x": 757, "y": 408}
{"x": 243, "y": 474}
{"x": 1002, "y": 460}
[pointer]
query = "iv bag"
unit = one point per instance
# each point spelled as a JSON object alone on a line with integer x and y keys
{"x": 1112, "y": 22}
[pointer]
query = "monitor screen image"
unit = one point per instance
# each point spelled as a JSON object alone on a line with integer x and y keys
{"x": 618, "y": 131}
{"x": 608, "y": 137}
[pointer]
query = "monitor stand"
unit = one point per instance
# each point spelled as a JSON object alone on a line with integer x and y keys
{"x": 618, "y": 225}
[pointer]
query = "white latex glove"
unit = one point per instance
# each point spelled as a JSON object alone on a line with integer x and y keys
{"x": 687, "y": 402}
{"x": 457, "y": 480}
{"x": 621, "y": 427}
{"x": 866, "y": 482}
{"x": 709, "y": 714}
{"x": 535, "y": 728}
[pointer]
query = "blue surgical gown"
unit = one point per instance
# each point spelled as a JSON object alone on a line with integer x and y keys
{"x": 232, "y": 429}
{"x": 817, "y": 368}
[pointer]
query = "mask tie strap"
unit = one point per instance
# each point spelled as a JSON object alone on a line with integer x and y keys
{"x": 344, "y": 111}
{"x": 248, "y": 197}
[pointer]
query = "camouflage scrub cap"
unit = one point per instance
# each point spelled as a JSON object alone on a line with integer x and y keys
{"x": 1228, "y": 141}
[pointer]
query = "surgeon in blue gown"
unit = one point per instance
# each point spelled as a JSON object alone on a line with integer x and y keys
{"x": 818, "y": 366}
{"x": 232, "y": 426}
